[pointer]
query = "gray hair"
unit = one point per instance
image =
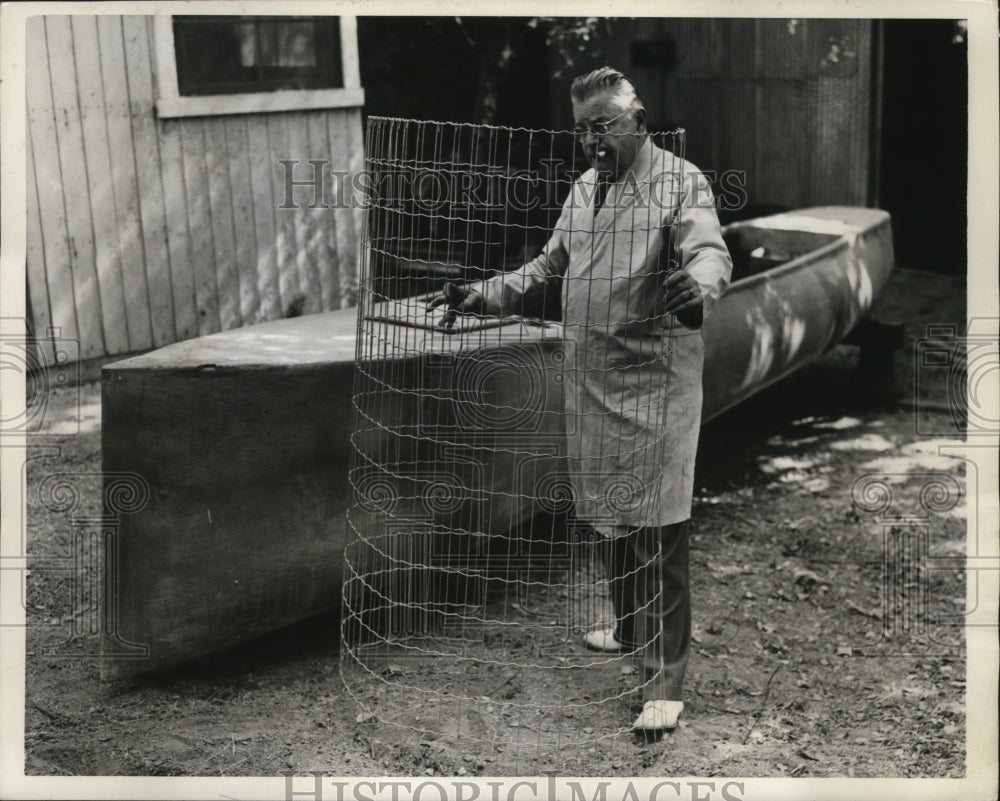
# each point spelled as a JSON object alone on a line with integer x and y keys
{"x": 601, "y": 80}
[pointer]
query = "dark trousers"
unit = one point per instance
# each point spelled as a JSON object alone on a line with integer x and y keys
{"x": 648, "y": 576}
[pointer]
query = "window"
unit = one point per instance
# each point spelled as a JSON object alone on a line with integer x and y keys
{"x": 210, "y": 65}
{"x": 222, "y": 55}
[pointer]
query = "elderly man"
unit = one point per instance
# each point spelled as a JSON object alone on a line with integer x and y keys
{"x": 634, "y": 387}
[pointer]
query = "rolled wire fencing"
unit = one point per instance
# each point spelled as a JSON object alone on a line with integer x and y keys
{"x": 493, "y": 453}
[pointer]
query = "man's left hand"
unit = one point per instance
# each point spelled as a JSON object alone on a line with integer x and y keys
{"x": 683, "y": 299}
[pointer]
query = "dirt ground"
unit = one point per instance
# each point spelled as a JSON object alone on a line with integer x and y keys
{"x": 824, "y": 643}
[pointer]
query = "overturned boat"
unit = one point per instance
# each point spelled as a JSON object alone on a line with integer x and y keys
{"x": 243, "y": 439}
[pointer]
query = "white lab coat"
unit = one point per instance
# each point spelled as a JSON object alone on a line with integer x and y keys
{"x": 633, "y": 374}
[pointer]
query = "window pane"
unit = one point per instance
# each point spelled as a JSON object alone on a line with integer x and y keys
{"x": 247, "y": 32}
{"x": 296, "y": 44}
{"x": 268, "y": 44}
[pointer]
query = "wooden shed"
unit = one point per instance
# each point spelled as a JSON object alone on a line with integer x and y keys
{"x": 170, "y": 189}
{"x": 788, "y": 106}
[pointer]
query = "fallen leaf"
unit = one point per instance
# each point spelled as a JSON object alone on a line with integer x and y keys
{"x": 806, "y": 577}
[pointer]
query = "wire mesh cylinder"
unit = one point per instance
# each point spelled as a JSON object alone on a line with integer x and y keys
{"x": 494, "y": 453}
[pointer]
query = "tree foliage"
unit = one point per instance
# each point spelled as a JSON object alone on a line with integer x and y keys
{"x": 499, "y": 40}
{"x": 571, "y": 37}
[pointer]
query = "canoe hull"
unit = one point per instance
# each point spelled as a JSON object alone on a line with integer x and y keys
{"x": 771, "y": 324}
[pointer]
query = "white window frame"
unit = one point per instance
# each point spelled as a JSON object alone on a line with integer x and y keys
{"x": 170, "y": 103}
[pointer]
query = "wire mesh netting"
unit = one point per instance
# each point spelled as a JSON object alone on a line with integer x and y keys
{"x": 500, "y": 447}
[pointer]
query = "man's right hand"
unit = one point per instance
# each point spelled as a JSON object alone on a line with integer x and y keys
{"x": 459, "y": 300}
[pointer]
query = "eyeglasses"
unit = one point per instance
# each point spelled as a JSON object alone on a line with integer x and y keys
{"x": 601, "y": 128}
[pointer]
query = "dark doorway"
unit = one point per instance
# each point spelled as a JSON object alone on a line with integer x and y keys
{"x": 924, "y": 152}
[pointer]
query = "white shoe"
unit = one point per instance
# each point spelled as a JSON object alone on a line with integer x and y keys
{"x": 658, "y": 715}
{"x": 603, "y": 640}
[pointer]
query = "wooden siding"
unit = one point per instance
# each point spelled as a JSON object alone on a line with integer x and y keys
{"x": 145, "y": 231}
{"x": 789, "y": 102}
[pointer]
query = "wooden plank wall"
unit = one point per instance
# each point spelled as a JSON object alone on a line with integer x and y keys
{"x": 787, "y": 101}
{"x": 144, "y": 231}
